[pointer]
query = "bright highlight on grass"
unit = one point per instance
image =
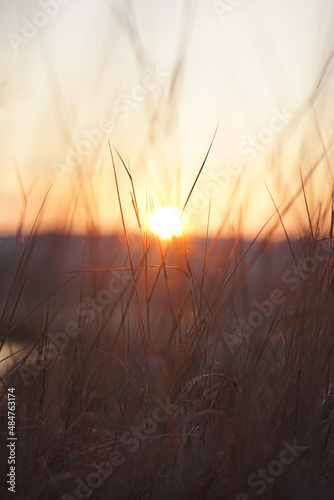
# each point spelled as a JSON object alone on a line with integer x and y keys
{"x": 166, "y": 222}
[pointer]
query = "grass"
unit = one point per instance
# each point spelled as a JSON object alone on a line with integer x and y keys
{"x": 165, "y": 388}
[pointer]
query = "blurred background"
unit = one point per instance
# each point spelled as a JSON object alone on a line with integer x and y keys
{"x": 156, "y": 79}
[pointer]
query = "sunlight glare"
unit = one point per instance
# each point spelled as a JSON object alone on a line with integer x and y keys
{"x": 166, "y": 222}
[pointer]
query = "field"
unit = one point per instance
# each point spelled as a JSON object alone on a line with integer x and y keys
{"x": 190, "y": 369}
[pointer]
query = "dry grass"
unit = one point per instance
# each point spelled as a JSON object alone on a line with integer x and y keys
{"x": 169, "y": 336}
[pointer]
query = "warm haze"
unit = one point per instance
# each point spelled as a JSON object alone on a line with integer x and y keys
{"x": 155, "y": 81}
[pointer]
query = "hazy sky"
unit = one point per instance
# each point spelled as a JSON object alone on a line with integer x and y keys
{"x": 155, "y": 78}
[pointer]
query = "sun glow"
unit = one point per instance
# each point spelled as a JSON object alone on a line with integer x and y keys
{"x": 166, "y": 222}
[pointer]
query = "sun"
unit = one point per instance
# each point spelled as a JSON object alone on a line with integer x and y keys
{"x": 166, "y": 222}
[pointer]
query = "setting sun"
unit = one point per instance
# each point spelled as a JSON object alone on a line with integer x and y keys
{"x": 166, "y": 222}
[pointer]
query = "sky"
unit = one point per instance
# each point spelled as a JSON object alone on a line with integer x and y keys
{"x": 155, "y": 79}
